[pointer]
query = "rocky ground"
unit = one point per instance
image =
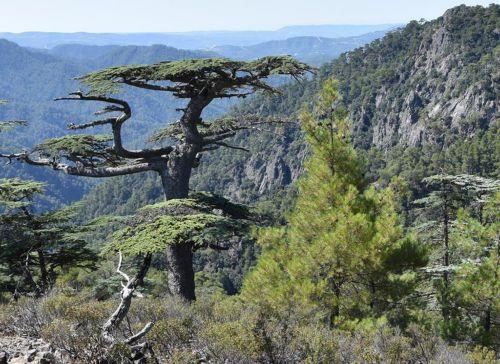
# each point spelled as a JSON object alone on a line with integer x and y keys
{"x": 19, "y": 350}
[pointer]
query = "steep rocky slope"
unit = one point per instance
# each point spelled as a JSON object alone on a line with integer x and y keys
{"x": 426, "y": 95}
{"x": 445, "y": 71}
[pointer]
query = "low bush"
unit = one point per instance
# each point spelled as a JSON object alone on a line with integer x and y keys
{"x": 220, "y": 329}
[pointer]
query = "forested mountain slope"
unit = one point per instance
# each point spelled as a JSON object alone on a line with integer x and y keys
{"x": 30, "y": 80}
{"x": 112, "y": 55}
{"x": 423, "y": 99}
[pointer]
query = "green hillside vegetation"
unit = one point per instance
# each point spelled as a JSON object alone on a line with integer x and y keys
{"x": 52, "y": 76}
{"x": 342, "y": 281}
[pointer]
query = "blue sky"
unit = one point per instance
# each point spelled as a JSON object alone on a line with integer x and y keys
{"x": 187, "y": 15}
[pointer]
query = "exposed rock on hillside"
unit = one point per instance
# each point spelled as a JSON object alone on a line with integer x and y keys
{"x": 432, "y": 86}
{"x": 18, "y": 350}
{"x": 443, "y": 81}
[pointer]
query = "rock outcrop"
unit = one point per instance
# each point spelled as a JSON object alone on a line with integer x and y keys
{"x": 19, "y": 350}
{"x": 444, "y": 81}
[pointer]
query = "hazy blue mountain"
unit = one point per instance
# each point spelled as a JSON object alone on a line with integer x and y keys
{"x": 32, "y": 79}
{"x": 333, "y": 31}
{"x": 80, "y": 51}
{"x": 191, "y": 40}
{"x": 313, "y": 50}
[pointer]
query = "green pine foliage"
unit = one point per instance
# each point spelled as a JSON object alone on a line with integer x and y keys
{"x": 189, "y": 72}
{"x": 475, "y": 286}
{"x": 335, "y": 259}
{"x": 91, "y": 149}
{"x": 35, "y": 248}
{"x": 9, "y": 125}
{"x": 16, "y": 193}
{"x": 459, "y": 219}
{"x": 203, "y": 220}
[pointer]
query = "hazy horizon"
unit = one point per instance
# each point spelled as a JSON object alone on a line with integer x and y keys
{"x": 97, "y": 16}
{"x": 211, "y": 31}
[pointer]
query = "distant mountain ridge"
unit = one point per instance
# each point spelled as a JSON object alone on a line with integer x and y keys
{"x": 79, "y": 51}
{"x": 313, "y": 50}
{"x": 113, "y": 55}
{"x": 191, "y": 40}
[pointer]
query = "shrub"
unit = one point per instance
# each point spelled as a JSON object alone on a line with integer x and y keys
{"x": 78, "y": 331}
{"x": 171, "y": 335}
{"x": 221, "y": 329}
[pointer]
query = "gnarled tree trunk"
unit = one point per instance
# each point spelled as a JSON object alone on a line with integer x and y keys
{"x": 180, "y": 271}
{"x": 127, "y": 293}
{"x": 175, "y": 181}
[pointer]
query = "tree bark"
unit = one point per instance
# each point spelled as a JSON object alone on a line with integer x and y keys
{"x": 446, "y": 235}
{"x": 175, "y": 180}
{"x": 127, "y": 293}
{"x": 445, "y": 310}
{"x": 180, "y": 271}
{"x": 43, "y": 271}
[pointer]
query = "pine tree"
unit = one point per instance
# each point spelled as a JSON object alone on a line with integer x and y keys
{"x": 475, "y": 286}
{"x": 334, "y": 256}
{"x": 437, "y": 215}
{"x": 47, "y": 241}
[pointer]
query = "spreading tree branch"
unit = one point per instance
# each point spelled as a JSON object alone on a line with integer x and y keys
{"x": 116, "y": 123}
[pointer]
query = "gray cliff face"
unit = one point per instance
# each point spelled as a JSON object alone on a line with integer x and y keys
{"x": 406, "y": 90}
{"x": 441, "y": 86}
{"x": 266, "y": 171}
{"x": 275, "y": 160}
